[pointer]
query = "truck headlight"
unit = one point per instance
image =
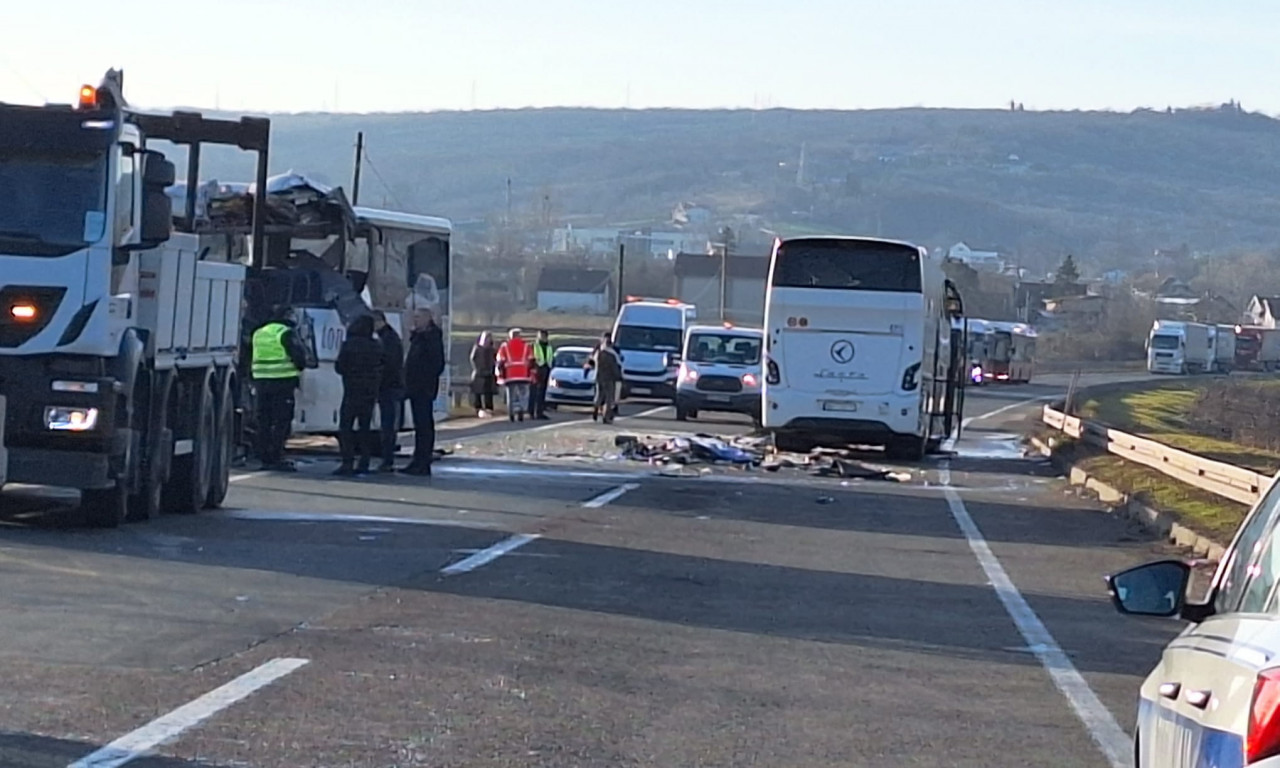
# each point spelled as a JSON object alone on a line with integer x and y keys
{"x": 62, "y": 419}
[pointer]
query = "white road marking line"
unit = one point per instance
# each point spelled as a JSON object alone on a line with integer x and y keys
{"x": 335, "y": 517}
{"x": 238, "y": 478}
{"x": 1098, "y": 720}
{"x": 168, "y": 727}
{"x": 1004, "y": 409}
{"x": 610, "y": 495}
{"x": 486, "y": 556}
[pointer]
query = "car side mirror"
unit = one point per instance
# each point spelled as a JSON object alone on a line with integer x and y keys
{"x": 1153, "y": 589}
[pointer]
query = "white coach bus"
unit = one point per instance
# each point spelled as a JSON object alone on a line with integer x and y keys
{"x": 865, "y": 344}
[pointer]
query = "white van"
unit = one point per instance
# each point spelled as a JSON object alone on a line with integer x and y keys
{"x": 721, "y": 371}
{"x": 649, "y": 334}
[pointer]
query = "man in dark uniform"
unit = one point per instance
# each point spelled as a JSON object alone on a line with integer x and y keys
{"x": 422, "y": 370}
{"x": 359, "y": 364}
{"x": 542, "y": 354}
{"x": 391, "y": 392}
{"x": 276, "y": 369}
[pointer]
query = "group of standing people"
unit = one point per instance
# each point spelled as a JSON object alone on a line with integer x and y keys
{"x": 523, "y": 371}
{"x": 375, "y": 371}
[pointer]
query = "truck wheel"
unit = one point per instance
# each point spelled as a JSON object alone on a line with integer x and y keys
{"x": 223, "y": 446}
{"x": 152, "y": 423}
{"x": 105, "y": 508}
{"x": 188, "y": 487}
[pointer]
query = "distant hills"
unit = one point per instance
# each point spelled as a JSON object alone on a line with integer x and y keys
{"x": 1110, "y": 187}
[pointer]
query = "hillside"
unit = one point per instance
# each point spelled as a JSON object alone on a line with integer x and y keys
{"x": 1111, "y": 187}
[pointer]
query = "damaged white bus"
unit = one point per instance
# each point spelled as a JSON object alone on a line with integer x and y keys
{"x": 865, "y": 345}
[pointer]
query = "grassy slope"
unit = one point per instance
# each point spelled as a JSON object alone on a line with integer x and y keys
{"x": 1161, "y": 414}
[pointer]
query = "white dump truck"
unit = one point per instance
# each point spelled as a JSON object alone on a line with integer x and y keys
{"x": 119, "y": 339}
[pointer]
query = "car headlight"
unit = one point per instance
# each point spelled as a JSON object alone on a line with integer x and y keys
{"x": 60, "y": 419}
{"x": 553, "y": 382}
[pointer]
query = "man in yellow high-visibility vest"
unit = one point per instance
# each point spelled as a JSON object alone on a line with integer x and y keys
{"x": 278, "y": 360}
{"x": 542, "y": 354}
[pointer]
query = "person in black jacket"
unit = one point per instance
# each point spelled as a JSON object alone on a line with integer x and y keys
{"x": 360, "y": 366}
{"x": 391, "y": 392}
{"x": 422, "y": 369}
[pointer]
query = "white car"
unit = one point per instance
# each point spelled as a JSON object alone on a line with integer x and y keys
{"x": 1214, "y": 698}
{"x": 569, "y": 383}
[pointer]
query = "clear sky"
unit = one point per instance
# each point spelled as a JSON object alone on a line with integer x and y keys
{"x": 390, "y": 55}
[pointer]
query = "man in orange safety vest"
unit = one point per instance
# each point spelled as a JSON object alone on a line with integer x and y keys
{"x": 515, "y": 372}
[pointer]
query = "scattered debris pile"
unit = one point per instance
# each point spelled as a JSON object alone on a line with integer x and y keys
{"x": 292, "y": 199}
{"x": 750, "y": 453}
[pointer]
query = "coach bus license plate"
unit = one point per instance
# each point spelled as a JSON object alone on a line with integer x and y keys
{"x": 848, "y": 406}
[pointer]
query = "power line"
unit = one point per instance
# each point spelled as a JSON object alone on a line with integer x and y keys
{"x": 385, "y": 186}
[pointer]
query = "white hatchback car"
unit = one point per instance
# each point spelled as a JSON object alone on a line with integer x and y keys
{"x": 1213, "y": 701}
{"x": 569, "y": 383}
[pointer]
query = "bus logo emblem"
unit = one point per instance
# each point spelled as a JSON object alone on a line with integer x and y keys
{"x": 842, "y": 351}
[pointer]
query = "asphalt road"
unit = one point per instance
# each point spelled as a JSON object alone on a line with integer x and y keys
{"x": 543, "y": 602}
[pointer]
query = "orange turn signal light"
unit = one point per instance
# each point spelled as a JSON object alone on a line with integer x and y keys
{"x": 88, "y": 96}
{"x": 23, "y": 312}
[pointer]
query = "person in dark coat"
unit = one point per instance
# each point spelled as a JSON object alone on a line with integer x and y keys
{"x": 607, "y": 363}
{"x": 422, "y": 370}
{"x": 484, "y": 376}
{"x": 391, "y": 391}
{"x": 360, "y": 366}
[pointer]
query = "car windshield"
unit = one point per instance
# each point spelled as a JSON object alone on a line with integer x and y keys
{"x": 643, "y": 338}
{"x": 723, "y": 348}
{"x": 569, "y": 359}
{"x": 53, "y": 203}
{"x": 1164, "y": 342}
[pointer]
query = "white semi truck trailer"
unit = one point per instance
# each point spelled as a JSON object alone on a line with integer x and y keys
{"x": 119, "y": 342}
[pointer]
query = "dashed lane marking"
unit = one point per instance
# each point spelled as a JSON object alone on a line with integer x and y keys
{"x": 168, "y": 727}
{"x": 613, "y": 494}
{"x": 488, "y": 555}
{"x": 1097, "y": 719}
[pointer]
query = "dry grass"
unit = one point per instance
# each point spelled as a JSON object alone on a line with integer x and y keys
{"x": 1164, "y": 414}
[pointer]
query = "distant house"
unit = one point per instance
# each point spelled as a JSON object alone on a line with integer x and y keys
{"x": 1173, "y": 288}
{"x": 1077, "y": 312}
{"x": 1030, "y": 296}
{"x": 1263, "y": 311}
{"x": 691, "y": 214}
{"x": 982, "y": 260}
{"x": 598, "y": 241}
{"x": 575, "y": 289}
{"x": 698, "y": 283}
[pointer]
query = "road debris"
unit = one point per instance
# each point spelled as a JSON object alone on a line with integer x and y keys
{"x": 679, "y": 455}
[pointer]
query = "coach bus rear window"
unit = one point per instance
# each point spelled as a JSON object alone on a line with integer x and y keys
{"x": 848, "y": 266}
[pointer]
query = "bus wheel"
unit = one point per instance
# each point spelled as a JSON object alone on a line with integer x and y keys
{"x": 910, "y": 448}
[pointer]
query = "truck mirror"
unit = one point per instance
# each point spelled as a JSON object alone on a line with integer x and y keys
{"x": 157, "y": 171}
{"x": 157, "y": 217}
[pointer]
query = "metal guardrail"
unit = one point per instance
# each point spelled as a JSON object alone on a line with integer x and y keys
{"x": 1217, "y": 477}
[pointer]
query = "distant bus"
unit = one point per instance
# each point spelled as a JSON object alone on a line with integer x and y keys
{"x": 865, "y": 344}
{"x": 1012, "y": 348}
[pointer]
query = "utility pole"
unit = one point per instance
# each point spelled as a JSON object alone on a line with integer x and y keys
{"x": 724, "y": 279}
{"x": 622, "y": 252}
{"x": 355, "y": 183}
